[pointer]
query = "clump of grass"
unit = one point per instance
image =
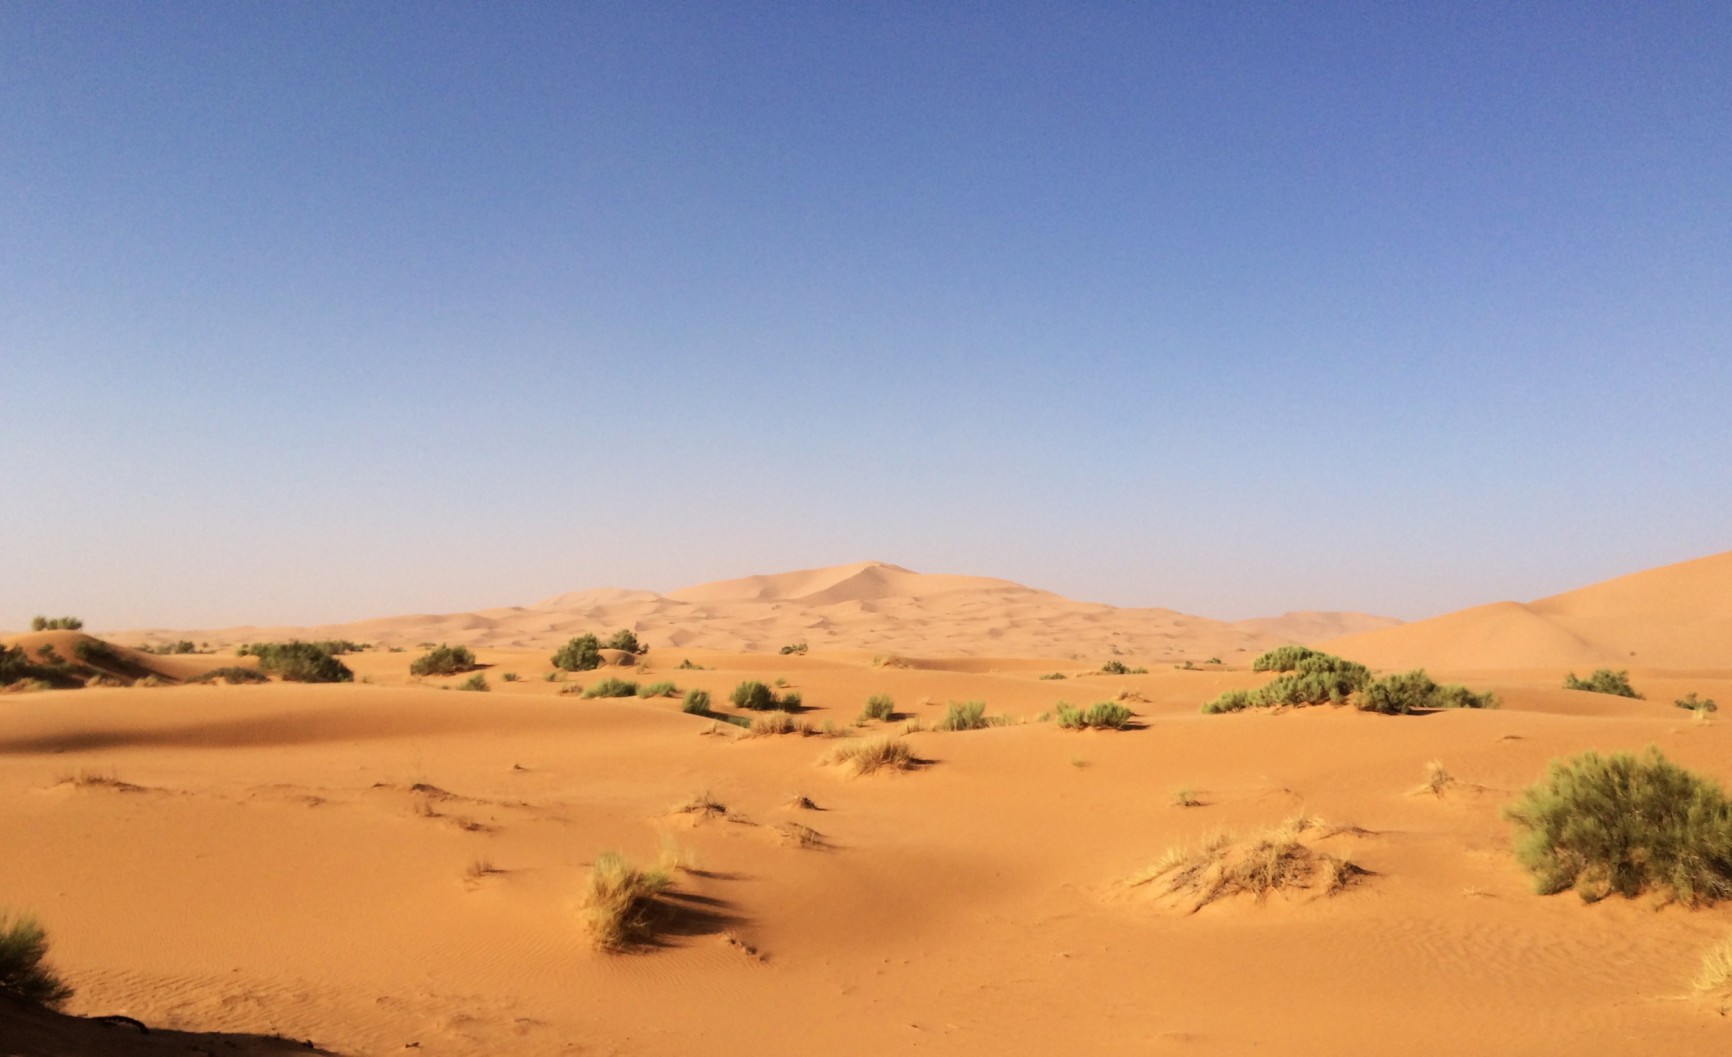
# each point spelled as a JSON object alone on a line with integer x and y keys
{"x": 1281, "y": 658}
{"x": 1116, "y": 667}
{"x": 770, "y": 724}
{"x": 1437, "y": 779}
{"x": 619, "y": 901}
{"x": 1053, "y": 675}
{"x": 800, "y": 836}
{"x": 696, "y": 702}
{"x": 24, "y": 971}
{"x": 444, "y": 660}
{"x": 301, "y": 662}
{"x": 479, "y": 867}
{"x": 510, "y": 677}
{"x": 968, "y": 715}
{"x": 879, "y": 707}
{"x": 662, "y": 689}
{"x": 1603, "y": 681}
{"x": 793, "y": 649}
{"x": 1622, "y": 824}
{"x": 702, "y": 805}
{"x": 1716, "y": 972}
{"x": 1699, "y": 705}
{"x": 611, "y": 687}
{"x": 1407, "y": 692}
{"x": 687, "y": 666}
{"x": 1186, "y": 797}
{"x": 876, "y": 754}
{"x": 1104, "y": 715}
{"x": 476, "y": 683}
{"x": 1222, "y": 865}
{"x": 233, "y": 675}
{"x": 754, "y": 695}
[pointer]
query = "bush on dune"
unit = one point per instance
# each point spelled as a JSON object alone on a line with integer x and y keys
{"x": 1284, "y": 658}
{"x": 299, "y": 662}
{"x": 233, "y": 676}
{"x": 1414, "y": 691}
{"x": 580, "y": 654}
{"x": 612, "y": 688}
{"x": 444, "y": 660}
{"x": 619, "y": 901}
{"x": 23, "y": 970}
{"x": 1622, "y": 824}
{"x": 55, "y": 624}
{"x": 1104, "y": 715}
{"x": 1313, "y": 678}
{"x": 1603, "y": 681}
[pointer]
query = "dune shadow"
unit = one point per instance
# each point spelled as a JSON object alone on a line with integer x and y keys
{"x": 34, "y": 1031}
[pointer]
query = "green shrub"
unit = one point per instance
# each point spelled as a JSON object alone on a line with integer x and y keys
{"x": 1232, "y": 701}
{"x": 612, "y": 688}
{"x": 793, "y": 648}
{"x": 1605, "y": 824}
{"x": 790, "y": 702}
{"x": 1603, "y": 681}
{"x": 23, "y": 971}
{"x": 299, "y": 662}
{"x": 95, "y": 651}
{"x": 510, "y": 677}
{"x": 443, "y": 660}
{"x": 1118, "y": 668}
{"x": 686, "y": 665}
{"x": 1695, "y": 704}
{"x": 1053, "y": 675}
{"x": 967, "y": 715}
{"x": 697, "y": 702}
{"x": 662, "y": 689}
{"x": 625, "y": 639}
{"x": 753, "y": 695}
{"x": 1414, "y": 692}
{"x": 1282, "y": 658}
{"x": 879, "y": 707}
{"x": 55, "y": 624}
{"x": 1104, "y": 715}
{"x": 581, "y": 654}
{"x": 476, "y": 682}
{"x": 233, "y": 676}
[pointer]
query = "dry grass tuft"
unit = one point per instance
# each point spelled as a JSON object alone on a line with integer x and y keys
{"x": 800, "y": 836}
{"x": 702, "y": 805}
{"x": 1716, "y": 972}
{"x": 619, "y": 901}
{"x": 479, "y": 867}
{"x": 770, "y": 724}
{"x": 801, "y": 803}
{"x": 1281, "y": 858}
{"x": 876, "y": 754}
{"x": 1437, "y": 779}
{"x": 1186, "y": 798}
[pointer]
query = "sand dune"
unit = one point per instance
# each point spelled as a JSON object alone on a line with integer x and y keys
{"x": 867, "y": 605}
{"x": 1676, "y": 617}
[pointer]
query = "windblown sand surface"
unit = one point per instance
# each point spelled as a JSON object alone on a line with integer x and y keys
{"x": 390, "y": 865}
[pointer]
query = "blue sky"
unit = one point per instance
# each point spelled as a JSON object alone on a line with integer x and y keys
{"x": 326, "y": 311}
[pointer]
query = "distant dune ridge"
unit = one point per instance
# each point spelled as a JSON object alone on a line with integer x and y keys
{"x": 1675, "y": 616}
{"x": 870, "y": 606}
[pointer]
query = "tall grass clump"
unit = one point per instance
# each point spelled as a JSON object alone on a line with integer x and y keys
{"x": 966, "y": 715}
{"x": 625, "y": 639}
{"x": 299, "y": 662}
{"x": 875, "y": 754}
{"x": 697, "y": 703}
{"x": 1603, "y": 681}
{"x": 1625, "y": 824}
{"x": 1116, "y": 667}
{"x": 1398, "y": 695}
{"x": 879, "y": 707}
{"x": 444, "y": 660}
{"x": 612, "y": 688}
{"x": 1696, "y": 704}
{"x": 661, "y": 689}
{"x": 476, "y": 683}
{"x": 1283, "y": 658}
{"x": 24, "y": 972}
{"x": 619, "y": 901}
{"x": 1104, "y": 715}
{"x": 753, "y": 695}
{"x": 580, "y": 654}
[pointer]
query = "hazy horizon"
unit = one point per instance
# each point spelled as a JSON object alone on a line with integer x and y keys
{"x": 319, "y": 313}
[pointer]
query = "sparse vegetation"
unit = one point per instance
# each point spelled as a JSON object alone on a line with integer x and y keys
{"x": 510, "y": 677}
{"x": 697, "y": 702}
{"x": 24, "y": 972}
{"x": 55, "y": 624}
{"x": 661, "y": 689}
{"x": 967, "y": 715}
{"x": 879, "y": 707}
{"x": 796, "y": 649}
{"x": 687, "y": 666}
{"x": 300, "y": 662}
{"x": 1116, "y": 667}
{"x": 612, "y": 688}
{"x": 1622, "y": 824}
{"x": 1603, "y": 681}
{"x": 769, "y": 724}
{"x": 1696, "y": 704}
{"x": 444, "y": 660}
{"x": 1716, "y": 972}
{"x": 170, "y": 649}
{"x": 1437, "y": 779}
{"x": 1053, "y": 675}
{"x": 476, "y": 683}
{"x": 619, "y": 901}
{"x": 233, "y": 675}
{"x": 876, "y": 754}
{"x": 1319, "y": 678}
{"x": 1280, "y": 858}
{"x": 1104, "y": 715}
{"x": 1282, "y": 658}
{"x": 580, "y": 654}
{"x": 754, "y": 695}
{"x": 625, "y": 639}
{"x": 1186, "y": 798}
{"x": 1414, "y": 692}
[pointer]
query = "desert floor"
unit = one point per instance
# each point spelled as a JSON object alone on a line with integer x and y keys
{"x": 392, "y": 864}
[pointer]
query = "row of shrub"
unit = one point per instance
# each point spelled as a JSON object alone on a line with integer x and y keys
{"x": 302, "y": 662}
{"x": 583, "y": 652}
{"x": 1315, "y": 678}
{"x": 55, "y": 624}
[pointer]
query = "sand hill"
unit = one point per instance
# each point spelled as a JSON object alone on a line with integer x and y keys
{"x": 1673, "y": 617}
{"x": 869, "y": 606}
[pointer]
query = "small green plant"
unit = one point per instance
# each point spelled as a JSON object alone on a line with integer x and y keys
{"x": 662, "y": 689}
{"x": 1603, "y": 681}
{"x": 555, "y": 676}
{"x": 1623, "y": 824}
{"x": 753, "y": 695}
{"x": 1105, "y": 715}
{"x": 510, "y": 677}
{"x": 697, "y": 702}
{"x": 233, "y": 676}
{"x": 625, "y": 639}
{"x": 299, "y": 662}
{"x": 55, "y": 624}
{"x": 611, "y": 687}
{"x": 619, "y": 901}
{"x": 1213, "y": 660}
{"x": 1115, "y": 667}
{"x": 879, "y": 707}
{"x": 1696, "y": 704}
{"x": 1398, "y": 695}
{"x": 1186, "y": 797}
{"x": 687, "y": 666}
{"x": 793, "y": 649}
{"x": 967, "y": 715}
{"x": 24, "y": 972}
{"x": 791, "y": 701}
{"x": 1053, "y": 675}
{"x": 580, "y": 654}
{"x": 1283, "y": 658}
{"x": 475, "y": 683}
{"x": 1232, "y": 701}
{"x": 444, "y": 660}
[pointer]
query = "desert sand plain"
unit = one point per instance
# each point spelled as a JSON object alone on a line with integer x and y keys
{"x": 391, "y": 866}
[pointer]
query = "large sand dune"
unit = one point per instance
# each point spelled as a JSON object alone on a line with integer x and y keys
{"x": 865, "y": 606}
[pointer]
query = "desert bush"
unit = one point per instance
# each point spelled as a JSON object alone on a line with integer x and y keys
{"x": 967, "y": 715}
{"x": 1116, "y": 667}
{"x": 1275, "y": 859}
{"x": 879, "y": 707}
{"x": 661, "y": 689}
{"x": 625, "y": 639}
{"x": 476, "y": 683}
{"x": 793, "y": 648}
{"x": 753, "y": 695}
{"x": 876, "y": 754}
{"x": 233, "y": 676}
{"x": 1696, "y": 704}
{"x": 443, "y": 660}
{"x": 581, "y": 654}
{"x": 1317, "y": 679}
{"x": 612, "y": 688}
{"x": 55, "y": 624}
{"x": 1053, "y": 675}
{"x": 1231, "y": 701}
{"x": 1108, "y": 715}
{"x": 697, "y": 702}
{"x": 619, "y": 901}
{"x": 686, "y": 665}
{"x": 510, "y": 677}
{"x": 299, "y": 662}
{"x": 1618, "y": 823}
{"x": 1413, "y": 692}
{"x": 24, "y": 972}
{"x": 1283, "y": 658}
{"x": 95, "y": 651}
{"x": 771, "y": 723}
{"x": 791, "y": 701}
{"x": 1603, "y": 681}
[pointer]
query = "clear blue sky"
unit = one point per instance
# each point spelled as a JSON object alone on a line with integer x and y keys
{"x": 326, "y": 311}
